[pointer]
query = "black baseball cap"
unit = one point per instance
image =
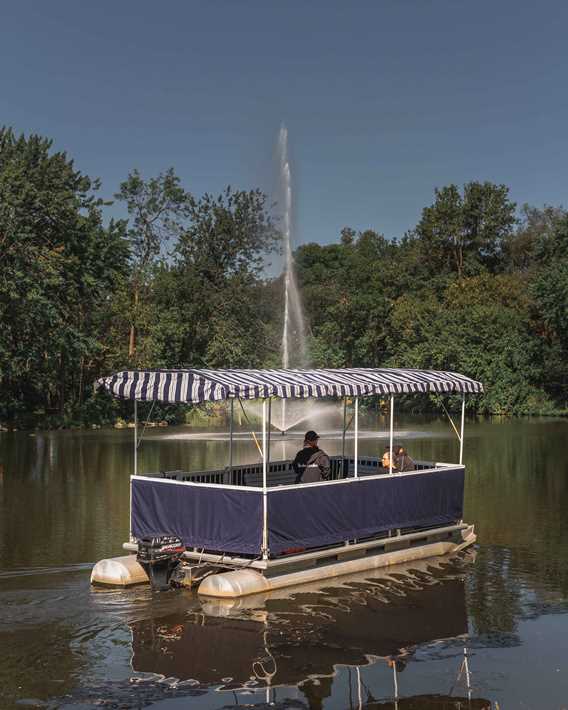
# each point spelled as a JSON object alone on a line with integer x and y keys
{"x": 311, "y": 436}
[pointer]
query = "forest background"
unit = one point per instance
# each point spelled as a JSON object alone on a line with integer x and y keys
{"x": 480, "y": 286}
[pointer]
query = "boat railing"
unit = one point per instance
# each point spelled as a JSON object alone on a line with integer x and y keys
{"x": 281, "y": 473}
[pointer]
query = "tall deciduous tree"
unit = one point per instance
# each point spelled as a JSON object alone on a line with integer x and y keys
{"x": 218, "y": 262}
{"x": 156, "y": 209}
{"x": 346, "y": 289}
{"x": 549, "y": 288}
{"x": 480, "y": 326}
{"x": 58, "y": 265}
{"x": 536, "y": 231}
{"x": 466, "y": 233}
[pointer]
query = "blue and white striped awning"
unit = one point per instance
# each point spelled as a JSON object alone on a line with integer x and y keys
{"x": 194, "y": 386}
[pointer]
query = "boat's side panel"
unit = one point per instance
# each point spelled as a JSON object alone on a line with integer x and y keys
{"x": 203, "y": 516}
{"x": 229, "y": 519}
{"x": 314, "y": 516}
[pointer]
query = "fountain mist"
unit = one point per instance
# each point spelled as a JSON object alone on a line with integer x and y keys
{"x": 294, "y": 351}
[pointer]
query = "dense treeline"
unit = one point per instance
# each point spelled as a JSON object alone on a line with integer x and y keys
{"x": 478, "y": 286}
{"x": 473, "y": 288}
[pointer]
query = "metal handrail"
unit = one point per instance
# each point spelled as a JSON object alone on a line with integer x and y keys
{"x": 280, "y": 472}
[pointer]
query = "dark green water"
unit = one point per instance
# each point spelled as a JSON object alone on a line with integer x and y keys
{"x": 351, "y": 643}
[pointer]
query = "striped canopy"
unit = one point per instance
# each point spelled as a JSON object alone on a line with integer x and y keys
{"x": 194, "y": 386}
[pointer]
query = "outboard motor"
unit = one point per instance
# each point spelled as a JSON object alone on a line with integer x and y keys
{"x": 159, "y": 556}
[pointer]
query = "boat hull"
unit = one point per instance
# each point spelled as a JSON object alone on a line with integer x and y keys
{"x": 255, "y": 576}
{"x": 242, "y": 582}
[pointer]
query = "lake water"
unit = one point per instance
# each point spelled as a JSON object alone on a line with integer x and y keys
{"x": 396, "y": 639}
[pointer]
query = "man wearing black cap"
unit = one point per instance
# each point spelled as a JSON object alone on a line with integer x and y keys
{"x": 311, "y": 463}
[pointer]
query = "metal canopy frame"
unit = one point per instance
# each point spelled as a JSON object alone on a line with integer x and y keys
{"x": 210, "y": 385}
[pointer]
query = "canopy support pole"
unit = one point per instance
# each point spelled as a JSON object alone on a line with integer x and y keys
{"x": 231, "y": 437}
{"x": 135, "y": 468}
{"x": 268, "y": 432}
{"x": 355, "y": 473}
{"x": 391, "y": 431}
{"x": 135, "y": 438}
{"x": 462, "y": 427}
{"x": 344, "y": 427}
{"x": 264, "y": 485}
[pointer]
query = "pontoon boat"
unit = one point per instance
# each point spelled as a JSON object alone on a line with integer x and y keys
{"x": 246, "y": 529}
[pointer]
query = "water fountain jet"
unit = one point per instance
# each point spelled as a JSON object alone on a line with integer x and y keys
{"x": 294, "y": 328}
{"x": 294, "y": 332}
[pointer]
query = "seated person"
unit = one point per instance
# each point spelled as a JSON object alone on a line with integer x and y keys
{"x": 311, "y": 463}
{"x": 385, "y": 461}
{"x": 403, "y": 461}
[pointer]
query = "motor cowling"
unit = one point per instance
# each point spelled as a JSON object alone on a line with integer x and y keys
{"x": 159, "y": 556}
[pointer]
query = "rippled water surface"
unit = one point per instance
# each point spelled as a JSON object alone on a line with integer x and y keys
{"x": 486, "y": 629}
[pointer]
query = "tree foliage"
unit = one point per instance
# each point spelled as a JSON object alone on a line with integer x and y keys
{"x": 58, "y": 263}
{"x": 156, "y": 208}
{"x": 491, "y": 303}
{"x": 475, "y": 287}
{"x": 466, "y": 233}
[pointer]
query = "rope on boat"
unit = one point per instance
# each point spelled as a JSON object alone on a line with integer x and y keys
{"x": 145, "y": 424}
{"x": 451, "y": 420}
{"x": 251, "y": 431}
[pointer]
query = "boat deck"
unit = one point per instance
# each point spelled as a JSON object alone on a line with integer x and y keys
{"x": 343, "y": 552}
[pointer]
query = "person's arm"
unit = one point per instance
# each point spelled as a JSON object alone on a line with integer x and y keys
{"x": 321, "y": 459}
{"x": 325, "y": 467}
{"x": 295, "y": 464}
{"x": 297, "y": 469}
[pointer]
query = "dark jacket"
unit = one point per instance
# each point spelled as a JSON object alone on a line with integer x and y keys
{"x": 311, "y": 464}
{"x": 405, "y": 463}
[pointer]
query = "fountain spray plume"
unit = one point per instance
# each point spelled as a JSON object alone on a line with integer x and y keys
{"x": 294, "y": 341}
{"x": 294, "y": 327}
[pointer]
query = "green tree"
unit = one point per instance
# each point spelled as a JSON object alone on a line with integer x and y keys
{"x": 549, "y": 288}
{"x": 156, "y": 208}
{"x": 537, "y": 228}
{"x": 347, "y": 291}
{"x": 218, "y": 262}
{"x": 480, "y": 327}
{"x": 58, "y": 265}
{"x": 463, "y": 234}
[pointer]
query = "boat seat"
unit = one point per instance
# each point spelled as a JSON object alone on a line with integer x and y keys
{"x": 275, "y": 478}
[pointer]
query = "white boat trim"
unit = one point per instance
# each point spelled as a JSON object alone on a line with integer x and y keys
{"x": 295, "y": 486}
{"x": 307, "y": 557}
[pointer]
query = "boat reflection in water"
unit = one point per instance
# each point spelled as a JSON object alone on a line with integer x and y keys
{"x": 299, "y": 638}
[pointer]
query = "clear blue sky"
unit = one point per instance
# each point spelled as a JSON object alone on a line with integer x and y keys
{"x": 384, "y": 100}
